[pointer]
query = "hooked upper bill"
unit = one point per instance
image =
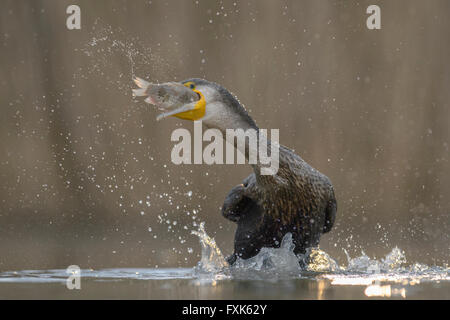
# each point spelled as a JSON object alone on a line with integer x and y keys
{"x": 172, "y": 98}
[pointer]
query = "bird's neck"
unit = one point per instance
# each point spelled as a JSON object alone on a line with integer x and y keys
{"x": 252, "y": 144}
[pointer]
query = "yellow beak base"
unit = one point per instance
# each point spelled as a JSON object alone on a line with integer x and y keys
{"x": 197, "y": 112}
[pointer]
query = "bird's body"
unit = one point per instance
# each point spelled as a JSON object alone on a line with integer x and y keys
{"x": 297, "y": 199}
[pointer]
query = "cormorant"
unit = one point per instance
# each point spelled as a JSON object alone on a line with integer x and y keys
{"x": 297, "y": 199}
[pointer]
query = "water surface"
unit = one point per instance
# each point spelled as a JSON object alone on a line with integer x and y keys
{"x": 186, "y": 284}
{"x": 272, "y": 274}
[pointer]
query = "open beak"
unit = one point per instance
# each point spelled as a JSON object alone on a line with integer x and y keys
{"x": 177, "y": 110}
{"x": 172, "y": 98}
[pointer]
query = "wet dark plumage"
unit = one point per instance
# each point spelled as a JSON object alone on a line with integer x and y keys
{"x": 299, "y": 200}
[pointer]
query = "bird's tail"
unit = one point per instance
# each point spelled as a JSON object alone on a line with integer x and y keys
{"x": 143, "y": 86}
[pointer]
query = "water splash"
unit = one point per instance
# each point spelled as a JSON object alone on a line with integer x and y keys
{"x": 393, "y": 260}
{"x": 113, "y": 44}
{"x": 319, "y": 261}
{"x": 212, "y": 259}
{"x": 270, "y": 262}
{"x": 390, "y": 276}
{"x": 280, "y": 261}
{"x": 316, "y": 264}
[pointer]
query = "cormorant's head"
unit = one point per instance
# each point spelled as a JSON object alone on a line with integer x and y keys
{"x": 196, "y": 99}
{"x": 219, "y": 108}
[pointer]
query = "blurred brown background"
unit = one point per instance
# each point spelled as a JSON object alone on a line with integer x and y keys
{"x": 85, "y": 170}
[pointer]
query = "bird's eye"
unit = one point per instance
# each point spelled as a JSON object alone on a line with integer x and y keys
{"x": 192, "y": 86}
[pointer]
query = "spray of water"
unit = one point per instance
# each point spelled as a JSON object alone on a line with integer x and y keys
{"x": 212, "y": 260}
{"x": 283, "y": 263}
